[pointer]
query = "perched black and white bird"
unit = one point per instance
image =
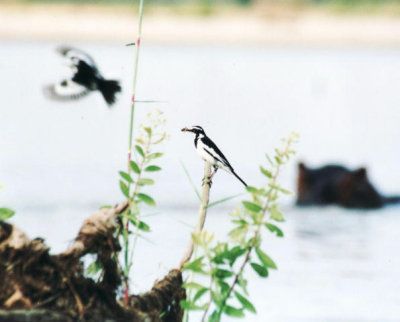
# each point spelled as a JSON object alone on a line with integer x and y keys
{"x": 209, "y": 152}
{"x": 85, "y": 79}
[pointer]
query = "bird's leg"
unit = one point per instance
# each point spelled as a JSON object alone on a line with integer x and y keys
{"x": 209, "y": 180}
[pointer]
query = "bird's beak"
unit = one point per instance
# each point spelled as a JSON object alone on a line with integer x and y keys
{"x": 185, "y": 129}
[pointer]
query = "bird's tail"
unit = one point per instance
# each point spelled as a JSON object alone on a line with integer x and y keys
{"x": 108, "y": 89}
{"x": 240, "y": 179}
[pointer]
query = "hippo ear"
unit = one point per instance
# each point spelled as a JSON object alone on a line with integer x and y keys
{"x": 302, "y": 167}
{"x": 360, "y": 173}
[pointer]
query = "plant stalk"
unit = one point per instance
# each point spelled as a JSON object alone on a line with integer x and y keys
{"x": 205, "y": 198}
{"x": 135, "y": 192}
{"x": 135, "y": 70}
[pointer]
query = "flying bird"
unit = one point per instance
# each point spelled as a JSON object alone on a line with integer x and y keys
{"x": 85, "y": 78}
{"x": 209, "y": 152}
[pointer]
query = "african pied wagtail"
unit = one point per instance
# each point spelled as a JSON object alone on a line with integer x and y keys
{"x": 209, "y": 152}
{"x": 86, "y": 78}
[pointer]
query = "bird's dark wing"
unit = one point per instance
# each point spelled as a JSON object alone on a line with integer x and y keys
{"x": 213, "y": 150}
{"x": 65, "y": 90}
{"x": 69, "y": 52}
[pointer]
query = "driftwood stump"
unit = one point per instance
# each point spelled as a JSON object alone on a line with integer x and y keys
{"x": 37, "y": 286}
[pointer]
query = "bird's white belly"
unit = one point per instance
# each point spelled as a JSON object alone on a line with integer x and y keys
{"x": 207, "y": 157}
{"x": 203, "y": 154}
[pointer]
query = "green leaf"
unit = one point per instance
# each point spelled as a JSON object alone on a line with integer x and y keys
{"x": 234, "y": 254}
{"x": 216, "y": 297}
{"x": 139, "y": 150}
{"x": 200, "y": 293}
{"x": 192, "y": 285}
{"x": 232, "y": 311}
{"x": 214, "y": 317}
{"x": 141, "y": 225}
{"x": 152, "y": 168}
{"x": 124, "y": 188}
{"x": 6, "y": 213}
{"x": 94, "y": 268}
{"x": 276, "y": 214}
{"x": 146, "y": 199}
{"x": 126, "y": 176}
{"x": 154, "y": 155}
{"x": 245, "y": 302}
{"x": 243, "y": 283}
{"x": 187, "y": 305}
{"x": 240, "y": 222}
{"x": 260, "y": 270}
{"x": 266, "y": 172}
{"x": 146, "y": 181}
{"x": 285, "y": 191}
{"x": 239, "y": 233}
{"x": 278, "y": 160}
{"x": 219, "y": 258}
{"x": 222, "y": 273}
{"x": 272, "y": 228}
{"x": 252, "y": 206}
{"x": 253, "y": 190}
{"x": 134, "y": 167}
{"x": 195, "y": 266}
{"x": 105, "y": 207}
{"x": 265, "y": 259}
{"x": 148, "y": 130}
{"x": 224, "y": 287}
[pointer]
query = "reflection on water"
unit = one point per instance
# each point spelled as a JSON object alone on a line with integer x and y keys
{"x": 59, "y": 162}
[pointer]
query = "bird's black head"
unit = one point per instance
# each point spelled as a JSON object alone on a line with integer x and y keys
{"x": 196, "y": 129}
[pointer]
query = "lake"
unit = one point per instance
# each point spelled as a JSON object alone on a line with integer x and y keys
{"x": 60, "y": 161}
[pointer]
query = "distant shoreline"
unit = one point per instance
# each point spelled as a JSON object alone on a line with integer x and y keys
{"x": 269, "y": 26}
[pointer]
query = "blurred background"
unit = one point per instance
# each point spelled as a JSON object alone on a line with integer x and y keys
{"x": 249, "y": 72}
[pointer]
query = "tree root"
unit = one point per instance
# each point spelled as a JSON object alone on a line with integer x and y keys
{"x": 37, "y": 286}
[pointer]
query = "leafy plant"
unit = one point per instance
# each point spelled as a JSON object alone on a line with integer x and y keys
{"x": 133, "y": 182}
{"x": 6, "y": 213}
{"x": 224, "y": 262}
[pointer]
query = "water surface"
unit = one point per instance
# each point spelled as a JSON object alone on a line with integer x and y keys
{"x": 59, "y": 161}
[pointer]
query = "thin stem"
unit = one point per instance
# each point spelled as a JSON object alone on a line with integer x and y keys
{"x": 135, "y": 192}
{"x": 135, "y": 70}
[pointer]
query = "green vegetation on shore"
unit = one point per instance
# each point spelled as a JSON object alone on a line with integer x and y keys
{"x": 211, "y": 7}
